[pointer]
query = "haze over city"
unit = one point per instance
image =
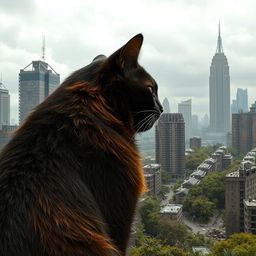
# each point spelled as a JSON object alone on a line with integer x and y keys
{"x": 180, "y": 41}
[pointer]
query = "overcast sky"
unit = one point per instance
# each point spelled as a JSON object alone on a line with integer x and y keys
{"x": 180, "y": 38}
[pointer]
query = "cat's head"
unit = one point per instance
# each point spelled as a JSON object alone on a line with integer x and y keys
{"x": 129, "y": 89}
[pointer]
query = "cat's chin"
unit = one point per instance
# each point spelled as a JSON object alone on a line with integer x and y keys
{"x": 148, "y": 125}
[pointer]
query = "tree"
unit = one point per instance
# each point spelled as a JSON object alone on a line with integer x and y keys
{"x": 237, "y": 245}
{"x": 155, "y": 247}
{"x": 166, "y": 176}
{"x": 150, "y": 217}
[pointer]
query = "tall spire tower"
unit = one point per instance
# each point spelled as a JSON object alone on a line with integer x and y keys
{"x": 219, "y": 88}
{"x": 43, "y": 48}
{"x": 219, "y": 43}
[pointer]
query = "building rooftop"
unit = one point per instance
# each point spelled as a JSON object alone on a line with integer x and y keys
{"x": 250, "y": 203}
{"x": 210, "y": 161}
{"x": 182, "y": 190}
{"x": 204, "y": 166}
{"x": 171, "y": 208}
{"x": 192, "y": 181}
{"x": 153, "y": 166}
{"x": 198, "y": 173}
{"x": 233, "y": 174}
{"x": 201, "y": 249}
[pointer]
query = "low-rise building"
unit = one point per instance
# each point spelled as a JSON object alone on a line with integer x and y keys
{"x": 172, "y": 211}
{"x": 190, "y": 182}
{"x": 180, "y": 195}
{"x": 195, "y": 142}
{"x": 152, "y": 174}
{"x": 198, "y": 174}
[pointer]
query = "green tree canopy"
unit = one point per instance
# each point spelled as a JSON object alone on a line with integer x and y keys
{"x": 237, "y": 245}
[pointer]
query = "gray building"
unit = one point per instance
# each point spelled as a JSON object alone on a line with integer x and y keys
{"x": 219, "y": 83}
{"x": 35, "y": 85}
{"x": 152, "y": 174}
{"x": 185, "y": 109}
{"x": 166, "y": 106}
{"x": 4, "y": 105}
{"x": 240, "y": 104}
{"x": 240, "y": 189}
{"x": 170, "y": 144}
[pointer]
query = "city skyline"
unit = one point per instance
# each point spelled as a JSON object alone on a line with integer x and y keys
{"x": 176, "y": 51}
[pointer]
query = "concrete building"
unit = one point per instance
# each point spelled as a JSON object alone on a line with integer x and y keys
{"x": 244, "y": 131}
{"x": 240, "y": 186}
{"x": 240, "y": 104}
{"x": 250, "y": 216}
{"x": 180, "y": 195}
{"x": 219, "y": 83}
{"x": 35, "y": 85}
{"x": 4, "y": 105}
{"x": 152, "y": 174}
{"x": 6, "y": 132}
{"x": 170, "y": 144}
{"x": 172, "y": 211}
{"x": 195, "y": 142}
{"x": 190, "y": 182}
{"x": 185, "y": 109}
{"x": 166, "y": 106}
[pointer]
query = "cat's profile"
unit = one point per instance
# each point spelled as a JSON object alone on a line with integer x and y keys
{"x": 70, "y": 177}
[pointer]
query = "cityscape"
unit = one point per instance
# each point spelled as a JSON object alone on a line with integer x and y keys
{"x": 199, "y": 162}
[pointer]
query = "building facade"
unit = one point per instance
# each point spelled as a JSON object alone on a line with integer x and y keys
{"x": 240, "y": 104}
{"x": 240, "y": 190}
{"x": 35, "y": 85}
{"x": 152, "y": 174}
{"x": 219, "y": 83}
{"x": 195, "y": 142}
{"x": 244, "y": 130}
{"x": 170, "y": 144}
{"x": 4, "y": 105}
{"x": 166, "y": 106}
{"x": 185, "y": 108}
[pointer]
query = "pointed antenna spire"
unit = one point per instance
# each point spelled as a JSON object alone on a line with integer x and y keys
{"x": 43, "y": 48}
{"x": 219, "y": 43}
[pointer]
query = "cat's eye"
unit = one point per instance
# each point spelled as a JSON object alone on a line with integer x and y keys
{"x": 150, "y": 87}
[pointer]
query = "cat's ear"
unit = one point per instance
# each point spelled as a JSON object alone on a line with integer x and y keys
{"x": 126, "y": 58}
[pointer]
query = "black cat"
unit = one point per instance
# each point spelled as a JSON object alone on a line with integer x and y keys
{"x": 71, "y": 176}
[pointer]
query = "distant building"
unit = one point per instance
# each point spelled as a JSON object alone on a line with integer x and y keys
{"x": 240, "y": 186}
{"x": 244, "y": 131}
{"x": 166, "y": 106}
{"x": 172, "y": 211}
{"x": 195, "y": 142}
{"x": 219, "y": 83}
{"x": 146, "y": 143}
{"x": 170, "y": 144}
{"x": 6, "y": 132}
{"x": 194, "y": 125}
{"x": 242, "y": 100}
{"x": 152, "y": 175}
{"x": 35, "y": 85}
{"x": 4, "y": 105}
{"x": 185, "y": 109}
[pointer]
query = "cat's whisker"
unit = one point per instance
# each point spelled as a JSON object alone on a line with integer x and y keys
{"x": 149, "y": 123}
{"x": 145, "y": 121}
{"x": 145, "y": 111}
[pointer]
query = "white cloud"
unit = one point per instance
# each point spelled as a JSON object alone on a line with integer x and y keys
{"x": 180, "y": 40}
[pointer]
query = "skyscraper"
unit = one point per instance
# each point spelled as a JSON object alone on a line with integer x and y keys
{"x": 166, "y": 106}
{"x": 35, "y": 85}
{"x": 4, "y": 105}
{"x": 170, "y": 144}
{"x": 219, "y": 82}
{"x": 240, "y": 104}
{"x": 244, "y": 130}
{"x": 185, "y": 109}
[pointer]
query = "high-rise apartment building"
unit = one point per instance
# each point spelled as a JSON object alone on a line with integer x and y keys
{"x": 244, "y": 130}
{"x": 219, "y": 83}
{"x": 170, "y": 144}
{"x": 4, "y": 105}
{"x": 240, "y": 191}
{"x": 185, "y": 109}
{"x": 166, "y": 106}
{"x": 35, "y": 85}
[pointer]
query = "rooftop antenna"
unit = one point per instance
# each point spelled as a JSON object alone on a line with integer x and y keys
{"x": 1, "y": 82}
{"x": 43, "y": 48}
